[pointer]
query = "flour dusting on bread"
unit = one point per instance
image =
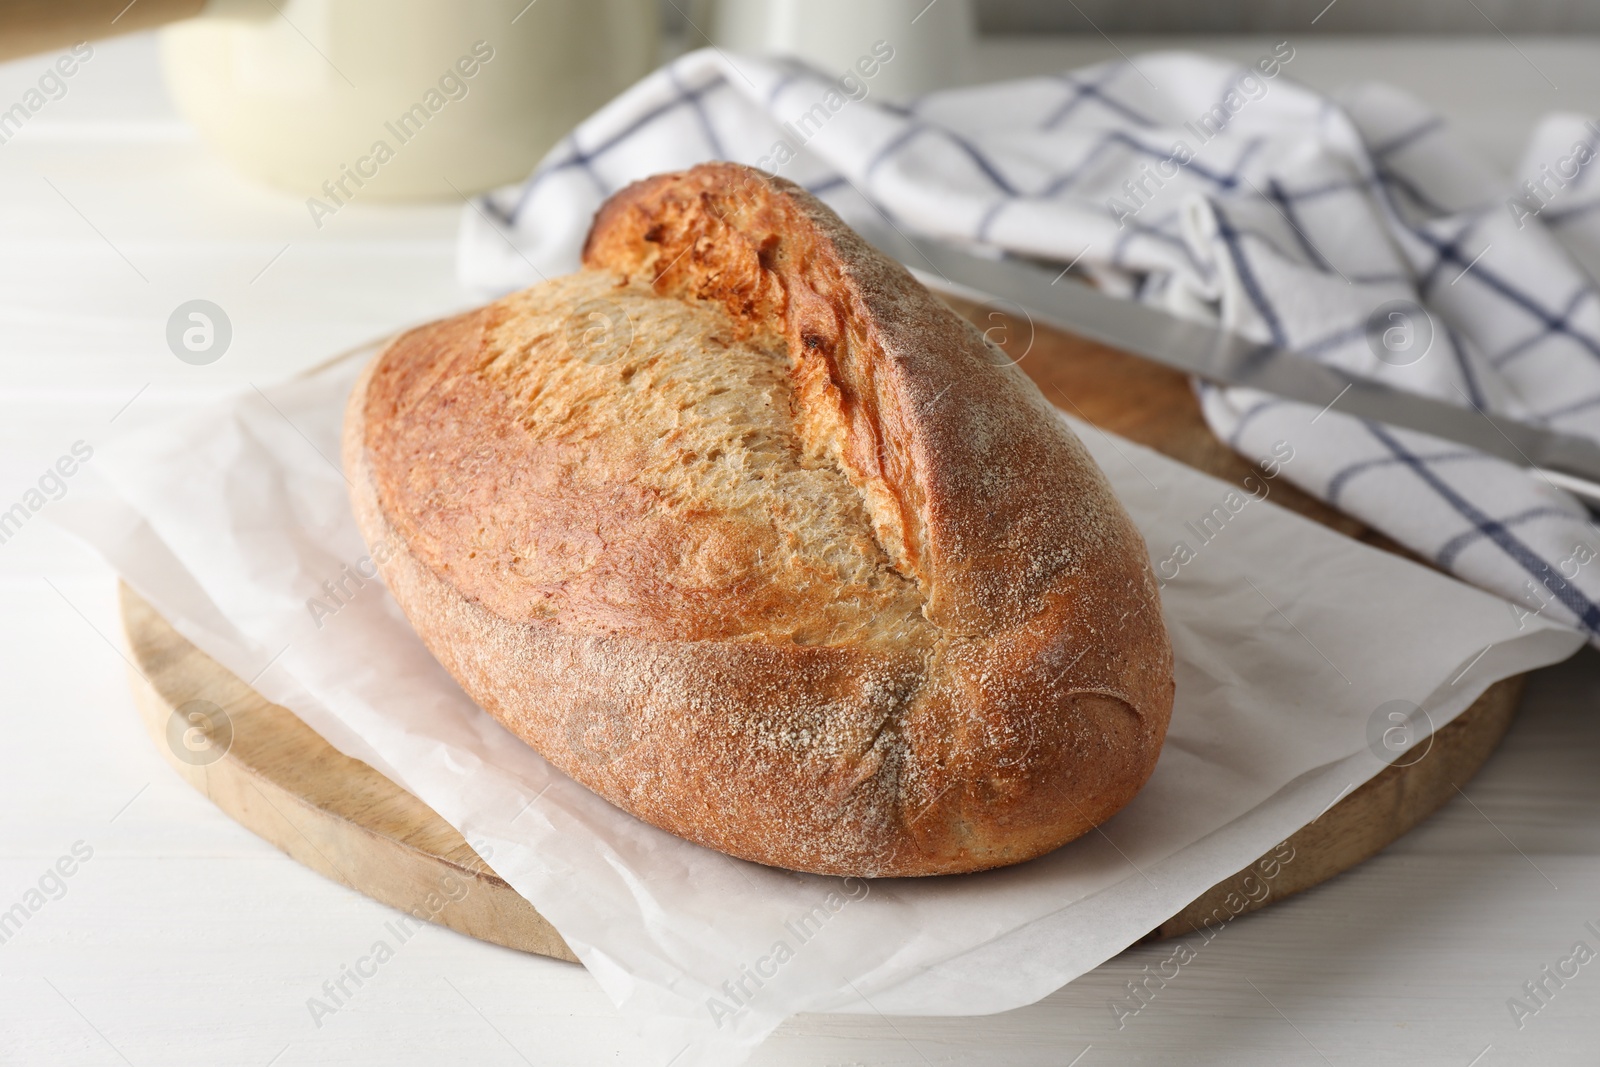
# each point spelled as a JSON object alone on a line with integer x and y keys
{"x": 749, "y": 533}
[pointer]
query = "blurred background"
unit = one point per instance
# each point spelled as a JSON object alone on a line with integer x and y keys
{"x": 290, "y": 91}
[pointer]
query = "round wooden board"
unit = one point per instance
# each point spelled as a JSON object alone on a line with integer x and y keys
{"x": 342, "y": 818}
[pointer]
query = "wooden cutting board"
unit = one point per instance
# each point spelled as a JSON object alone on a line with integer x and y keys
{"x": 273, "y": 774}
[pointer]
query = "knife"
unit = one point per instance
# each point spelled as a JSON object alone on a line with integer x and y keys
{"x": 1225, "y": 358}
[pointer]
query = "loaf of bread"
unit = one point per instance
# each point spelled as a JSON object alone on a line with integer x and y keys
{"x": 746, "y": 531}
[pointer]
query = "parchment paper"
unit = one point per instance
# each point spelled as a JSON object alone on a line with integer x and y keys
{"x": 1293, "y": 643}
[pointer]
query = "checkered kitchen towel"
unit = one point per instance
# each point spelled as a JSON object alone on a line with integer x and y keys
{"x": 1220, "y": 192}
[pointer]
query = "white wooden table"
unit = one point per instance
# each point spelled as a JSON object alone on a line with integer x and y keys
{"x": 183, "y": 939}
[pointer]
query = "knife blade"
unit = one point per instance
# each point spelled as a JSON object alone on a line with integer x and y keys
{"x": 1225, "y": 358}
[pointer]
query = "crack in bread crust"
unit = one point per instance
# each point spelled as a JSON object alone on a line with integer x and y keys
{"x": 729, "y": 243}
{"x": 745, "y": 495}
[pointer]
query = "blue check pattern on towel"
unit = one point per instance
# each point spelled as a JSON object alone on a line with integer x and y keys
{"x": 1216, "y": 192}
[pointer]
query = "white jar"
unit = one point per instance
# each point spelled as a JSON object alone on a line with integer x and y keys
{"x": 386, "y": 99}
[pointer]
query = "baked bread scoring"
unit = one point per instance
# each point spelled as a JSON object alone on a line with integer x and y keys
{"x": 746, "y": 531}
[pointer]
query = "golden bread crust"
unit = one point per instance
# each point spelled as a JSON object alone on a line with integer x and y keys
{"x": 747, "y": 532}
